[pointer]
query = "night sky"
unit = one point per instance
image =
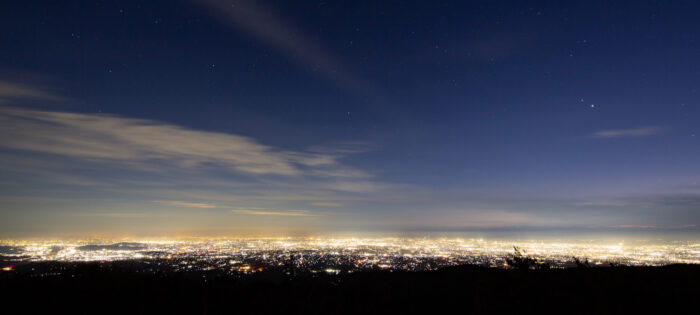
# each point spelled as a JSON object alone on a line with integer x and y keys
{"x": 169, "y": 118}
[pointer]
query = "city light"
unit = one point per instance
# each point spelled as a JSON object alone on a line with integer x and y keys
{"x": 330, "y": 255}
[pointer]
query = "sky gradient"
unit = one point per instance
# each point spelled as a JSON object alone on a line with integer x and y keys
{"x": 165, "y": 118}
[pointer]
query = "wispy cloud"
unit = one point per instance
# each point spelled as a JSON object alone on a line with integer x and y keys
{"x": 14, "y": 90}
{"x": 677, "y": 199}
{"x": 619, "y": 133}
{"x": 147, "y": 144}
{"x": 289, "y": 213}
{"x": 108, "y": 214}
{"x": 601, "y": 203}
{"x": 326, "y": 204}
{"x": 650, "y": 227}
{"x": 187, "y": 204}
{"x": 262, "y": 24}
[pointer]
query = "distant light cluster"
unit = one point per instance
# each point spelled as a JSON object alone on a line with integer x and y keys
{"x": 331, "y": 255}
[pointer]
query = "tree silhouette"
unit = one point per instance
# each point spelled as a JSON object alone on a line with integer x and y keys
{"x": 519, "y": 260}
{"x": 580, "y": 264}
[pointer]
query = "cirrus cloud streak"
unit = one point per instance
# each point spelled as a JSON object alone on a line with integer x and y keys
{"x": 143, "y": 143}
{"x": 620, "y": 133}
{"x": 288, "y": 213}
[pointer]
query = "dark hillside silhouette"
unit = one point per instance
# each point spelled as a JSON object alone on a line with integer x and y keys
{"x": 90, "y": 289}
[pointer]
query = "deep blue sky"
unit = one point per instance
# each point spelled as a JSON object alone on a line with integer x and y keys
{"x": 273, "y": 117}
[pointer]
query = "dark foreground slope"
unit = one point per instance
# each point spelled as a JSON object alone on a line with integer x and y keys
{"x": 89, "y": 289}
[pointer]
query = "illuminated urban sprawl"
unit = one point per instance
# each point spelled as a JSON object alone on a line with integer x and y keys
{"x": 332, "y": 255}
